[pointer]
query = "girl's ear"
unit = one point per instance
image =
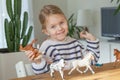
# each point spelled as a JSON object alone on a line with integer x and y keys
{"x": 45, "y": 32}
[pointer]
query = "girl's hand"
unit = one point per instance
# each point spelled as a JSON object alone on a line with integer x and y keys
{"x": 87, "y": 35}
{"x": 34, "y": 56}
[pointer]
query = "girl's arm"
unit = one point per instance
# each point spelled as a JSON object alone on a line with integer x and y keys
{"x": 93, "y": 44}
{"x": 39, "y": 65}
{"x": 94, "y": 47}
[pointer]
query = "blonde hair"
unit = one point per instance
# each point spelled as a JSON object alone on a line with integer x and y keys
{"x": 47, "y": 11}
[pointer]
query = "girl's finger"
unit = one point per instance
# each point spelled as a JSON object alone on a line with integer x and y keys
{"x": 32, "y": 58}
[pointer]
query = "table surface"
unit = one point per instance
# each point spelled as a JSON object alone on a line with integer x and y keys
{"x": 105, "y": 72}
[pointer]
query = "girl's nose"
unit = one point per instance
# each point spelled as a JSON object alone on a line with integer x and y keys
{"x": 59, "y": 28}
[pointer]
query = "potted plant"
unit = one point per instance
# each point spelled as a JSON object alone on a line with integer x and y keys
{"x": 118, "y": 7}
{"x": 73, "y": 29}
{"x": 16, "y": 31}
{"x": 17, "y": 34}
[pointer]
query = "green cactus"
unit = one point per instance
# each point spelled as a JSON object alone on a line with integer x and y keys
{"x": 16, "y": 33}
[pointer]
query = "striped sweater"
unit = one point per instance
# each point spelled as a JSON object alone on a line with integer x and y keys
{"x": 69, "y": 49}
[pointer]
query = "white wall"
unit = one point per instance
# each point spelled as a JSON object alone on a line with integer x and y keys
{"x": 94, "y": 6}
{"x": 37, "y": 5}
{"x": 69, "y": 7}
{"x": 3, "y": 14}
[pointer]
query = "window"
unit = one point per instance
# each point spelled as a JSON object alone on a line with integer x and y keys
{"x": 26, "y": 6}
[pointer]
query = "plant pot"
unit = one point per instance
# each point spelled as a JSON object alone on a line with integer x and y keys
{"x": 7, "y": 64}
{"x": 4, "y": 50}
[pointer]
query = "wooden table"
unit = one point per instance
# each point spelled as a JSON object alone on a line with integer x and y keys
{"x": 106, "y": 72}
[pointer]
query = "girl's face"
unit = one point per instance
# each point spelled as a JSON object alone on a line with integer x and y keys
{"x": 56, "y": 27}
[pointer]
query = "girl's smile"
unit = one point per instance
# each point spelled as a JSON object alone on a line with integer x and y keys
{"x": 56, "y": 27}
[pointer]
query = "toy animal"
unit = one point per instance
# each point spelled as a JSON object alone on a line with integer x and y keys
{"x": 86, "y": 61}
{"x": 117, "y": 55}
{"x": 30, "y": 47}
{"x": 57, "y": 67}
{"x": 98, "y": 65}
{"x": 36, "y": 51}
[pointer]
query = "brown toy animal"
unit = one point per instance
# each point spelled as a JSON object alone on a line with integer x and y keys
{"x": 30, "y": 47}
{"x": 85, "y": 30}
{"x": 117, "y": 55}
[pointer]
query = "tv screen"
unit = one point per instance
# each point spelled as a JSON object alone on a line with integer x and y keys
{"x": 110, "y": 22}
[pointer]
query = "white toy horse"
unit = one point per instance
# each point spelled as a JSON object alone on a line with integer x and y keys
{"x": 86, "y": 61}
{"x": 58, "y": 67}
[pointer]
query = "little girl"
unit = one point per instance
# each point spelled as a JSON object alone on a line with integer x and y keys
{"x": 59, "y": 45}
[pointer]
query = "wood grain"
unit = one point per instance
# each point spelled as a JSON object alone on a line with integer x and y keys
{"x": 106, "y": 72}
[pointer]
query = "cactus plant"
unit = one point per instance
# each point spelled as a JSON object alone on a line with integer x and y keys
{"x": 16, "y": 32}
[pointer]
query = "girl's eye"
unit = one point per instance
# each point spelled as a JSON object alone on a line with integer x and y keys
{"x": 52, "y": 26}
{"x": 61, "y": 23}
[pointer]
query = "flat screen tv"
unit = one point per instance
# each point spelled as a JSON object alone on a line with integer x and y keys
{"x": 110, "y": 23}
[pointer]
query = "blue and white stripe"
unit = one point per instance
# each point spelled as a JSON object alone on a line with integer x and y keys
{"x": 69, "y": 50}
